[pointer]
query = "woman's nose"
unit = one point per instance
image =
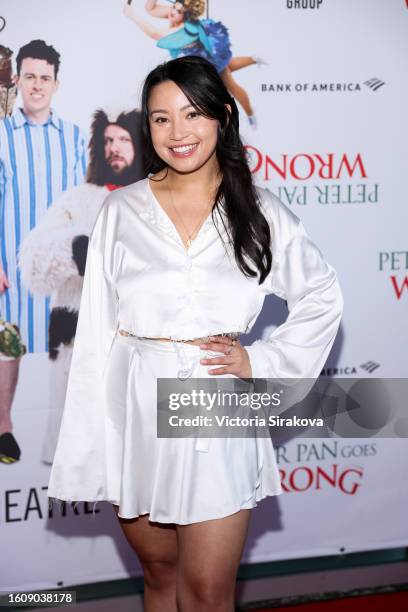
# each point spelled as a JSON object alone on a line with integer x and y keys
{"x": 178, "y": 131}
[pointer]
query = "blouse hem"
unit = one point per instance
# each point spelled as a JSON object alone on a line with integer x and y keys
{"x": 155, "y": 334}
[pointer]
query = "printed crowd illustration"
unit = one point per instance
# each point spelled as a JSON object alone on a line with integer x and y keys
{"x": 50, "y": 198}
{"x": 52, "y": 186}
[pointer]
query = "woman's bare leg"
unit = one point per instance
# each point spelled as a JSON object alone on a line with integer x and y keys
{"x": 156, "y": 547}
{"x": 236, "y": 91}
{"x": 209, "y": 556}
{"x": 237, "y": 63}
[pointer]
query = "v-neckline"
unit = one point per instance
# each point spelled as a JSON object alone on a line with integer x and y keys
{"x": 171, "y": 225}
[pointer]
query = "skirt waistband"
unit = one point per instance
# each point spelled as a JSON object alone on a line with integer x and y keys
{"x": 161, "y": 346}
{"x": 171, "y": 343}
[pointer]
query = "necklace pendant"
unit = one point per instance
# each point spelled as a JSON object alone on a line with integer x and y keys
{"x": 189, "y": 242}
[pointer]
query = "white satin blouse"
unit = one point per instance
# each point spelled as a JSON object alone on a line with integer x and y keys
{"x": 139, "y": 277}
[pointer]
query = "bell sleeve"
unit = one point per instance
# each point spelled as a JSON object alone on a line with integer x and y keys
{"x": 300, "y": 346}
{"x": 82, "y": 436}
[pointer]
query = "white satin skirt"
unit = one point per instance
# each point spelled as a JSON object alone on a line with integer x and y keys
{"x": 174, "y": 480}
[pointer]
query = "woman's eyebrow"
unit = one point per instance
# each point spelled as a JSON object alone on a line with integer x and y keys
{"x": 162, "y": 110}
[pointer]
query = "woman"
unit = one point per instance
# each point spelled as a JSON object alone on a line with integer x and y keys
{"x": 189, "y": 253}
{"x": 189, "y": 35}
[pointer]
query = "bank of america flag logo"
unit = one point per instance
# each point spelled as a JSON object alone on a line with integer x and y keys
{"x": 374, "y": 83}
{"x": 370, "y": 366}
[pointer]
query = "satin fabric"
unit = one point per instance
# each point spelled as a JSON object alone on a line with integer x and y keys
{"x": 139, "y": 277}
{"x": 174, "y": 480}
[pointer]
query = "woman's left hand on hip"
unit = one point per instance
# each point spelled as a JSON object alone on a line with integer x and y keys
{"x": 234, "y": 361}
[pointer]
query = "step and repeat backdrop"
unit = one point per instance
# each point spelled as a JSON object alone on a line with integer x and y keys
{"x": 322, "y": 91}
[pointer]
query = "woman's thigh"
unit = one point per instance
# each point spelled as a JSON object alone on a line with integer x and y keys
{"x": 152, "y": 542}
{"x": 210, "y": 551}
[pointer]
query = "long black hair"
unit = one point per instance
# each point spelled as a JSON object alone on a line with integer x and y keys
{"x": 248, "y": 229}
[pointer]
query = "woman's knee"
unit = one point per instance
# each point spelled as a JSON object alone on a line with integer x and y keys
{"x": 212, "y": 590}
{"x": 159, "y": 575}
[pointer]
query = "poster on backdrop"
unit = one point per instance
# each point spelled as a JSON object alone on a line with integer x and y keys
{"x": 309, "y": 112}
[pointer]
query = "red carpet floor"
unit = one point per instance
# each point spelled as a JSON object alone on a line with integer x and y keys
{"x": 392, "y": 602}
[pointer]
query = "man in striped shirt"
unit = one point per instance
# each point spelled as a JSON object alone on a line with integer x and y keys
{"x": 41, "y": 156}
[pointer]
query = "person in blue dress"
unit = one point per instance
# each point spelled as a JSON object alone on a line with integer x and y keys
{"x": 189, "y": 34}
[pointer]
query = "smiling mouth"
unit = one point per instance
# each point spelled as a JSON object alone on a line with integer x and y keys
{"x": 184, "y": 150}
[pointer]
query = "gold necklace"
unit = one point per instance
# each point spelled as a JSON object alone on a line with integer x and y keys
{"x": 189, "y": 234}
